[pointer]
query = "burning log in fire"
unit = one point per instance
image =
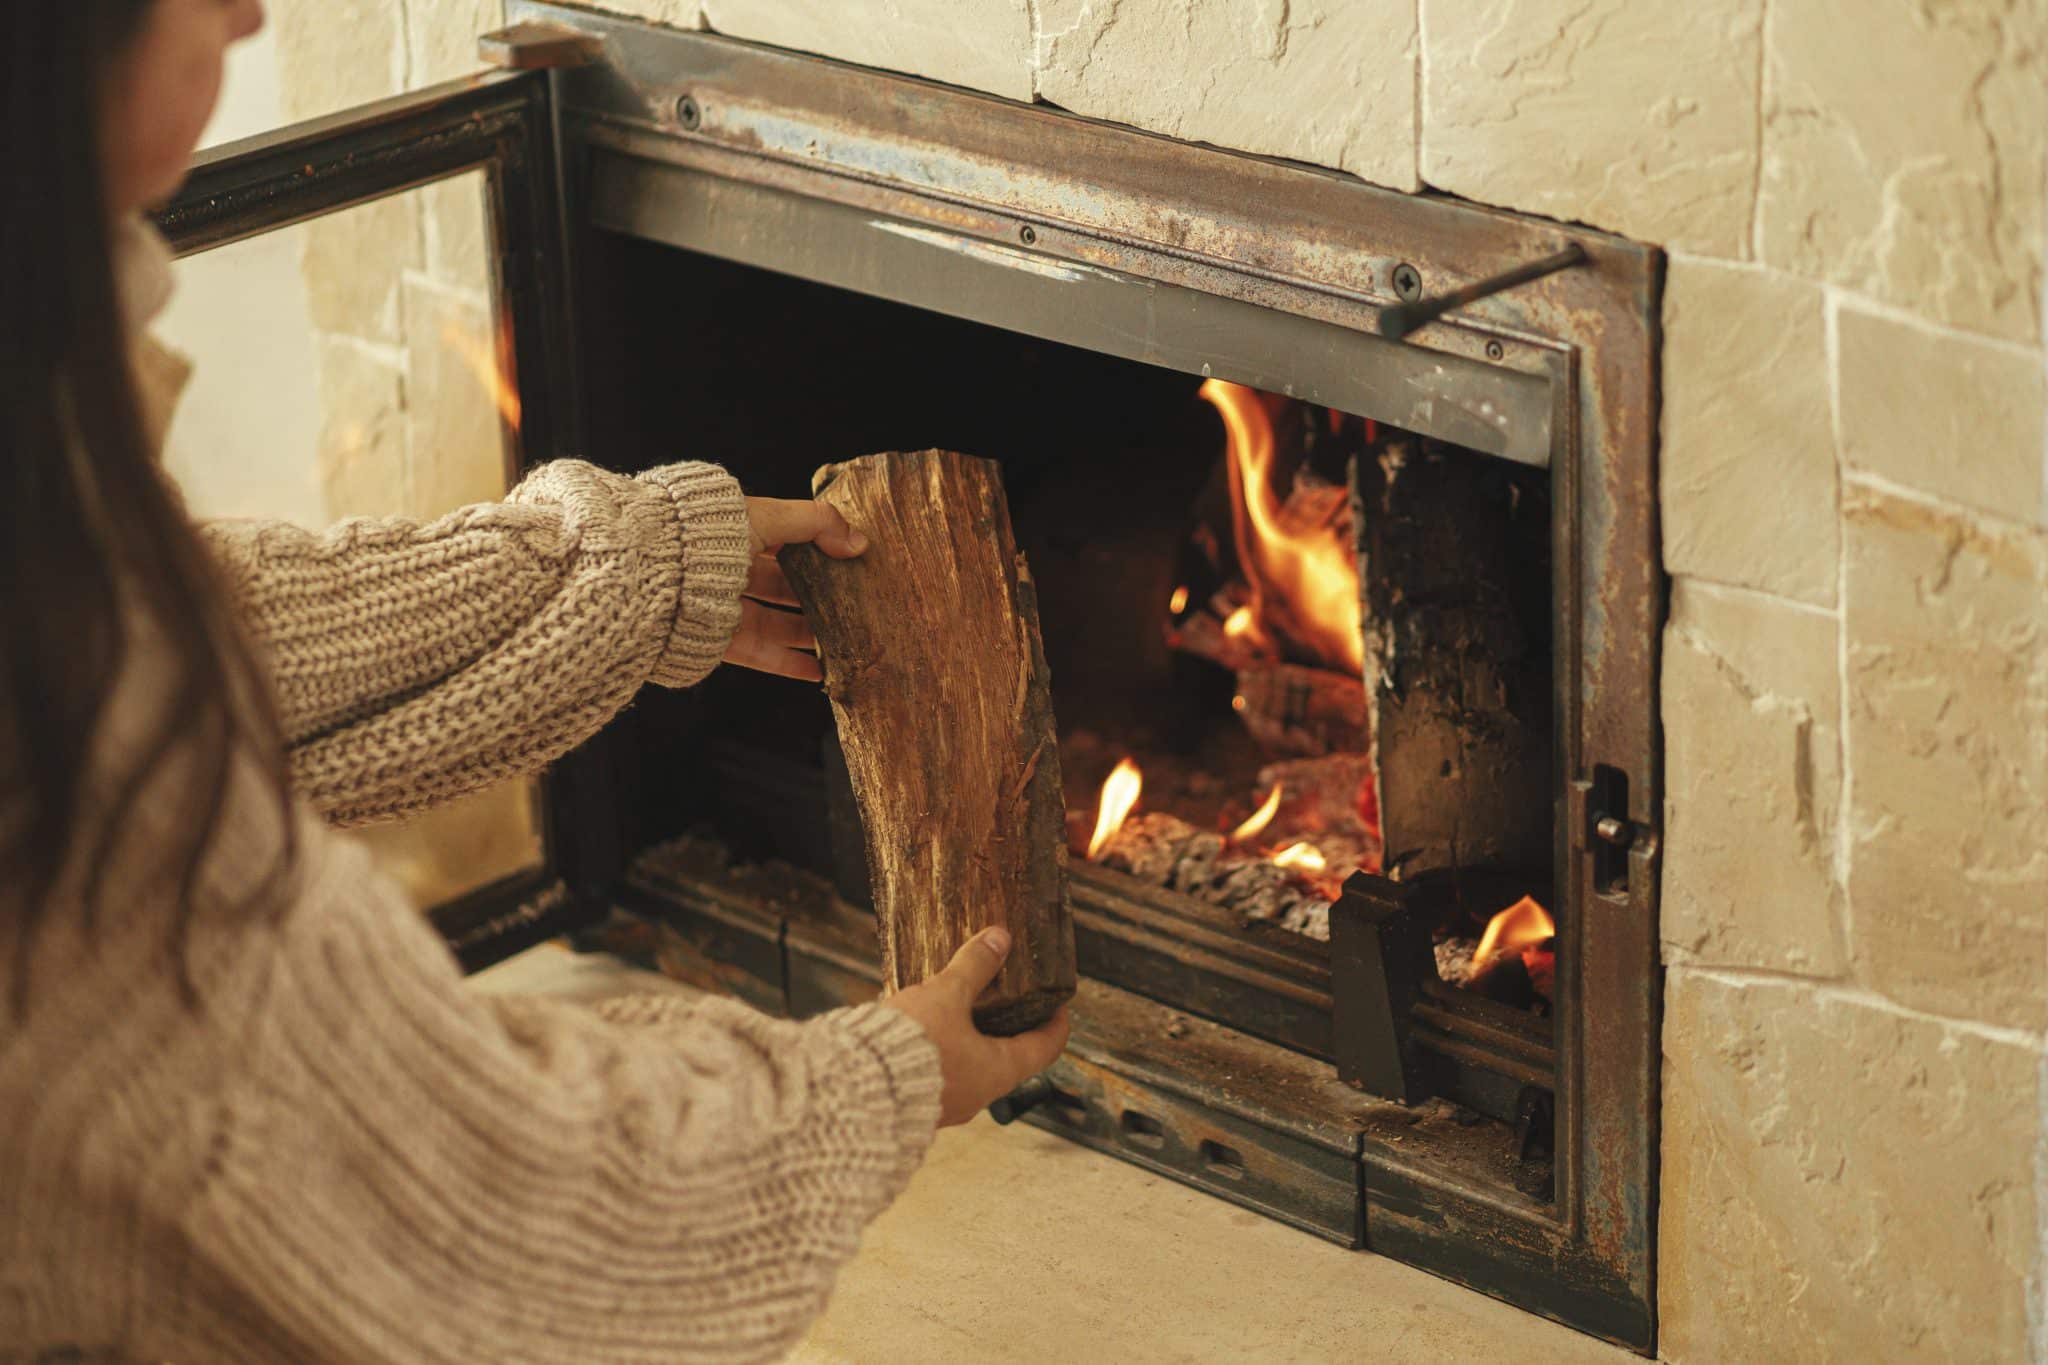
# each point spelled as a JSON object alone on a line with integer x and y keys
{"x": 1287, "y": 879}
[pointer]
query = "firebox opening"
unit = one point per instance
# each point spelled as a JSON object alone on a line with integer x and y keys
{"x": 1197, "y": 547}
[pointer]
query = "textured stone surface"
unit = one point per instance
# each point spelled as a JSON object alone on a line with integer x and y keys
{"x": 441, "y": 37}
{"x": 361, "y": 460}
{"x": 353, "y": 262}
{"x": 455, "y": 241}
{"x": 674, "y": 13}
{"x": 1905, "y": 161}
{"x": 456, "y": 441}
{"x": 1636, "y": 117}
{"x": 338, "y": 53}
{"x": 1748, "y": 468}
{"x": 1840, "y": 1182}
{"x": 1947, "y": 716}
{"x": 1325, "y": 81}
{"x": 981, "y": 44}
{"x": 447, "y": 852}
{"x": 1942, "y": 412}
{"x": 1751, "y": 696}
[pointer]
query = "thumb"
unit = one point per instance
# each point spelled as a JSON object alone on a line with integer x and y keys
{"x": 783, "y": 521}
{"x": 978, "y": 961}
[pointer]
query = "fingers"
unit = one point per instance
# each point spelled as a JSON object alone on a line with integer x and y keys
{"x": 785, "y": 521}
{"x": 774, "y": 642}
{"x": 766, "y": 582}
{"x": 977, "y": 962}
{"x": 1027, "y": 1054}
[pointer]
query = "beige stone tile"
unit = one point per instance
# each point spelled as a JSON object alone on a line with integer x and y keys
{"x": 1902, "y": 155}
{"x": 1325, "y": 81}
{"x": 1841, "y": 1182}
{"x": 338, "y": 53}
{"x": 1752, "y": 788}
{"x": 1947, "y": 722}
{"x": 456, "y": 239}
{"x": 353, "y": 263}
{"x": 674, "y": 13}
{"x": 362, "y": 459}
{"x": 1748, "y": 468}
{"x": 1636, "y": 117}
{"x": 981, "y": 44}
{"x": 458, "y": 452}
{"x": 461, "y": 846}
{"x": 1942, "y": 412}
{"x": 441, "y": 38}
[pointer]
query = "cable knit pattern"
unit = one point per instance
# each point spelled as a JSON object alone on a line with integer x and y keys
{"x": 415, "y": 663}
{"x": 347, "y": 1157}
{"x": 344, "y": 1156}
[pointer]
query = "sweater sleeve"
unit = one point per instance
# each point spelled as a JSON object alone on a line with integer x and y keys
{"x": 411, "y": 1171}
{"x": 417, "y": 662}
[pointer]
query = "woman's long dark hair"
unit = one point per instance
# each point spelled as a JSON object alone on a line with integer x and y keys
{"x": 91, "y": 537}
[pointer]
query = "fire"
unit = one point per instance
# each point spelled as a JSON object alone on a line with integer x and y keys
{"x": 1522, "y": 925}
{"x": 476, "y": 353}
{"x": 1310, "y": 570}
{"x": 1303, "y": 856}
{"x": 1178, "y": 603}
{"x": 1119, "y": 794}
{"x": 1259, "y": 819}
{"x": 1241, "y": 623}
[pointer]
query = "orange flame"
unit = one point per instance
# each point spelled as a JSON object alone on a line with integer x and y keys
{"x": 1258, "y": 819}
{"x": 476, "y": 353}
{"x": 1310, "y": 570}
{"x": 1240, "y": 624}
{"x": 1304, "y": 855}
{"x": 1522, "y": 925}
{"x": 1119, "y": 794}
{"x": 1178, "y": 603}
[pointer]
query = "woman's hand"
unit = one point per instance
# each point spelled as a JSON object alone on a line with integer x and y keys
{"x": 978, "y": 1069}
{"x": 770, "y": 639}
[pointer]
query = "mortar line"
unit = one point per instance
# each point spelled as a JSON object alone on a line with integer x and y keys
{"x": 1843, "y": 921}
{"x": 2002, "y": 523}
{"x": 1718, "y": 586}
{"x": 1756, "y": 176}
{"x": 1843, "y": 991}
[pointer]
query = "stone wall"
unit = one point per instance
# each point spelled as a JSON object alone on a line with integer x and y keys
{"x": 1856, "y": 668}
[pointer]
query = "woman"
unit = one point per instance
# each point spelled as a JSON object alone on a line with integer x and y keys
{"x": 247, "y": 1110}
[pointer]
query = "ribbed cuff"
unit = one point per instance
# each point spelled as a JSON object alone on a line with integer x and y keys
{"x": 717, "y": 551}
{"x": 910, "y": 1059}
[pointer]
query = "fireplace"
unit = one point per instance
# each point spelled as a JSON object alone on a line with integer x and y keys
{"x": 1364, "y": 588}
{"x": 782, "y": 262}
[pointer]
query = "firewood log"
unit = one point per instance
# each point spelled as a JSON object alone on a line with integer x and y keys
{"x": 939, "y": 685}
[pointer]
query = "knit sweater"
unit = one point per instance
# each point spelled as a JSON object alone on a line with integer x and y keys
{"x": 343, "y": 1155}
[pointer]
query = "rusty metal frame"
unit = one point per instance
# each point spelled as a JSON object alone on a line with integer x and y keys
{"x": 671, "y": 130}
{"x": 502, "y": 125}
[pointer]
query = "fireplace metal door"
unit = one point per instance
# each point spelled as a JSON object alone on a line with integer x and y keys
{"x": 500, "y": 124}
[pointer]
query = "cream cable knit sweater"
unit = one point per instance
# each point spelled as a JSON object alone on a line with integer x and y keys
{"x": 345, "y": 1156}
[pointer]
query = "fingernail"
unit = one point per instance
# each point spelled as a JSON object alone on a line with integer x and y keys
{"x": 857, "y": 542}
{"x": 997, "y": 941}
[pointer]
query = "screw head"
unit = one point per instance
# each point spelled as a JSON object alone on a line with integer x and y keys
{"x": 1407, "y": 282}
{"x": 688, "y": 114}
{"x": 1027, "y": 234}
{"x": 1494, "y": 350}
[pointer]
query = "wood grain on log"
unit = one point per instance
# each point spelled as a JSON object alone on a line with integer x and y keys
{"x": 938, "y": 681}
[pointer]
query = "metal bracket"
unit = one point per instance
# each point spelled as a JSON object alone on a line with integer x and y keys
{"x": 1403, "y": 318}
{"x": 535, "y": 46}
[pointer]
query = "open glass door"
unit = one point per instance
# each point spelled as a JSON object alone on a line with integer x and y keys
{"x": 398, "y": 344}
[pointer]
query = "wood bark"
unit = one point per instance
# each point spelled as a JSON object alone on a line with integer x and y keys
{"x": 939, "y": 685}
